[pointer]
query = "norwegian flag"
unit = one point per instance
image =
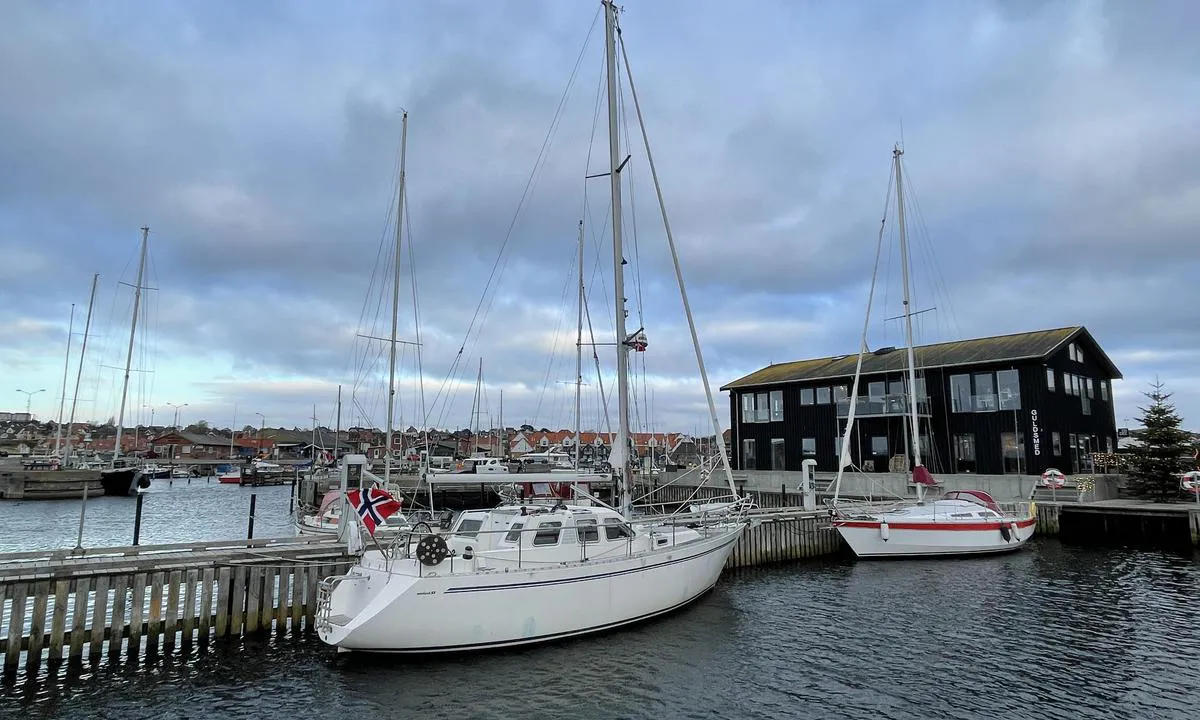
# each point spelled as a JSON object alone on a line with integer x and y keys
{"x": 373, "y": 506}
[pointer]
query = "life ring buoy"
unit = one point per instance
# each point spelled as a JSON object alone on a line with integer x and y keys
{"x": 1053, "y": 478}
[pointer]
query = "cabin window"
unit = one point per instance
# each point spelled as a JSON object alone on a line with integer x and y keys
{"x": 547, "y": 533}
{"x": 879, "y": 445}
{"x": 470, "y": 527}
{"x": 748, "y": 407}
{"x": 1050, "y": 379}
{"x": 1104, "y": 390}
{"x": 514, "y": 533}
{"x": 960, "y": 393}
{"x": 1013, "y": 447}
{"x": 1008, "y": 385}
{"x": 776, "y": 405}
{"x": 822, "y": 396}
{"x": 615, "y": 529}
{"x": 1056, "y": 444}
{"x": 807, "y": 396}
{"x": 587, "y": 530}
{"x": 748, "y": 460}
{"x": 985, "y": 392}
{"x": 808, "y": 446}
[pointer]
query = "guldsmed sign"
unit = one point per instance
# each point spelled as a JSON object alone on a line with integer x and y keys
{"x": 1035, "y": 433}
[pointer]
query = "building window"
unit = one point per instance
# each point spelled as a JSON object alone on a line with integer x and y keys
{"x": 823, "y": 396}
{"x": 1013, "y": 447}
{"x": 778, "y": 458}
{"x": 1108, "y": 445}
{"x": 1091, "y": 389}
{"x": 1104, "y": 390}
{"x": 808, "y": 446}
{"x": 875, "y": 391}
{"x": 776, "y": 405}
{"x": 748, "y": 462}
{"x": 964, "y": 452}
{"x": 1086, "y": 400}
{"x": 748, "y": 407}
{"x": 1009, "y": 386}
{"x": 985, "y": 392}
{"x": 1050, "y": 379}
{"x": 840, "y": 393}
{"x": 806, "y": 396}
{"x": 1073, "y": 447}
{"x": 761, "y": 410}
{"x": 1056, "y": 444}
{"x": 1075, "y": 353}
{"x": 960, "y": 393}
{"x": 879, "y": 444}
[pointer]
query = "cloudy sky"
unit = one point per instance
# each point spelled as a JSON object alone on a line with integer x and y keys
{"x": 1053, "y": 151}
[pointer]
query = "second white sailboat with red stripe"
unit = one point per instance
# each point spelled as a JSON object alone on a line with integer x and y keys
{"x": 961, "y": 522}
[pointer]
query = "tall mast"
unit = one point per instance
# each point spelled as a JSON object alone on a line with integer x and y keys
{"x": 233, "y": 433}
{"x": 66, "y": 367}
{"x": 503, "y": 449}
{"x": 87, "y": 325}
{"x": 897, "y": 153}
{"x": 387, "y": 453}
{"x": 476, "y": 409}
{"x": 579, "y": 349}
{"x": 619, "y": 457}
{"x": 137, "y": 301}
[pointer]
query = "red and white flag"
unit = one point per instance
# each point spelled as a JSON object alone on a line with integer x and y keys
{"x": 373, "y": 506}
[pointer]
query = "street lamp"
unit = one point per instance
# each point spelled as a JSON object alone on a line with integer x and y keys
{"x": 261, "y": 423}
{"x": 175, "y": 427}
{"x": 29, "y": 398}
{"x": 175, "y": 424}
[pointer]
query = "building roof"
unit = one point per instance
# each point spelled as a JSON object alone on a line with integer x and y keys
{"x": 1035, "y": 345}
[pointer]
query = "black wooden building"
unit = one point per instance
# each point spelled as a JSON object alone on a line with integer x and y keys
{"x": 1018, "y": 403}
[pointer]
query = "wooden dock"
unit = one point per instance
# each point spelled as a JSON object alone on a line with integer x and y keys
{"x": 145, "y": 599}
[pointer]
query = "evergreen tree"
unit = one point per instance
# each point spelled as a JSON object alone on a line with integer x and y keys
{"x": 1163, "y": 452}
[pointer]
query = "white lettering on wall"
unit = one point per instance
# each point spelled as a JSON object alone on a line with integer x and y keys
{"x": 1035, "y": 433}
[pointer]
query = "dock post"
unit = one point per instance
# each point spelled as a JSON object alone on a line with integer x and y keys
{"x": 250, "y": 527}
{"x": 137, "y": 519}
{"x": 809, "y": 484}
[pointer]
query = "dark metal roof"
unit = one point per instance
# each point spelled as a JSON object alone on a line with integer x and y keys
{"x": 1035, "y": 345}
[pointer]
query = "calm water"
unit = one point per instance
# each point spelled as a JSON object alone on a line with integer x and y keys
{"x": 172, "y": 511}
{"x": 1050, "y": 632}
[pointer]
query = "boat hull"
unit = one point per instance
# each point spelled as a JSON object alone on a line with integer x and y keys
{"x": 123, "y": 482}
{"x": 486, "y": 610}
{"x": 870, "y": 538}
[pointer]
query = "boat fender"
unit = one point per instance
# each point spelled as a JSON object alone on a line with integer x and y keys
{"x": 432, "y": 550}
{"x": 1004, "y": 533}
{"x": 884, "y": 531}
{"x": 1015, "y": 534}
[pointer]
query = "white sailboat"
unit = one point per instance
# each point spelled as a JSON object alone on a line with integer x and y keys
{"x": 525, "y": 572}
{"x": 961, "y": 522}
